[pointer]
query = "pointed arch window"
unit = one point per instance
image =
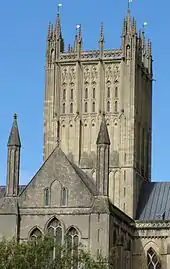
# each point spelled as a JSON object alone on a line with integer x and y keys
{"x": 153, "y": 261}
{"x": 116, "y": 92}
{"x": 108, "y": 92}
{"x": 108, "y": 106}
{"x": 35, "y": 234}
{"x": 64, "y": 94}
{"x": 71, "y": 108}
{"x": 71, "y": 94}
{"x": 85, "y": 107}
{"x": 46, "y": 196}
{"x": 115, "y": 107}
{"x": 54, "y": 229}
{"x": 72, "y": 242}
{"x": 64, "y": 196}
{"x": 93, "y": 107}
{"x": 86, "y": 93}
{"x": 64, "y": 108}
{"x": 94, "y": 93}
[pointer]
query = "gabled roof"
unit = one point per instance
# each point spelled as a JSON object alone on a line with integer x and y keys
{"x": 154, "y": 202}
{"x": 84, "y": 178}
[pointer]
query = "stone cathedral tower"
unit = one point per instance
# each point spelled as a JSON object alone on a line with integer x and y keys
{"x": 81, "y": 86}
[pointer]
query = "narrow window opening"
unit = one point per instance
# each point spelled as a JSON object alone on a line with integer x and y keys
{"x": 64, "y": 108}
{"x": 71, "y": 94}
{"x": 108, "y": 92}
{"x": 85, "y": 107}
{"x": 116, "y": 92}
{"x": 108, "y": 106}
{"x": 46, "y": 197}
{"x": 115, "y": 106}
{"x": 64, "y": 196}
{"x": 86, "y": 93}
{"x": 93, "y": 107}
{"x": 64, "y": 94}
{"x": 94, "y": 93}
{"x": 71, "y": 108}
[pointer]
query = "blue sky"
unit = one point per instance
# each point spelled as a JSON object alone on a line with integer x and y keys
{"x": 23, "y": 29}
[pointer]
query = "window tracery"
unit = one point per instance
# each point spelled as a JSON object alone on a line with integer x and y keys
{"x": 36, "y": 234}
{"x": 54, "y": 229}
{"x": 153, "y": 261}
{"x": 72, "y": 242}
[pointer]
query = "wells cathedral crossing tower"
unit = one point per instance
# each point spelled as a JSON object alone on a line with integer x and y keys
{"x": 95, "y": 182}
{"x": 81, "y": 86}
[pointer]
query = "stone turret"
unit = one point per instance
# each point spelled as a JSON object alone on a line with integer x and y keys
{"x": 103, "y": 146}
{"x": 13, "y": 162}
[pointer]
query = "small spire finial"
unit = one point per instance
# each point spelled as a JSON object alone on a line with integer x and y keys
{"x": 78, "y": 31}
{"x": 102, "y": 31}
{"x": 58, "y": 8}
{"x": 15, "y": 116}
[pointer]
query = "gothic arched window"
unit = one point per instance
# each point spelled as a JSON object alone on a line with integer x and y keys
{"x": 94, "y": 93}
{"x": 93, "y": 107}
{"x": 116, "y": 92}
{"x": 64, "y": 196}
{"x": 85, "y": 107}
{"x": 115, "y": 106}
{"x": 71, "y": 94}
{"x": 72, "y": 242}
{"x": 64, "y": 94}
{"x": 153, "y": 261}
{"x": 71, "y": 108}
{"x": 108, "y": 106}
{"x": 35, "y": 234}
{"x": 46, "y": 196}
{"x": 54, "y": 228}
{"x": 108, "y": 92}
{"x": 64, "y": 108}
{"x": 86, "y": 93}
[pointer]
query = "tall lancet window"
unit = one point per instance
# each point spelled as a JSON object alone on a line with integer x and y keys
{"x": 64, "y": 108}
{"x": 46, "y": 196}
{"x": 93, "y": 107}
{"x": 64, "y": 196}
{"x": 72, "y": 242}
{"x": 55, "y": 230}
{"x": 94, "y": 93}
{"x": 71, "y": 108}
{"x": 64, "y": 94}
{"x": 108, "y": 106}
{"x": 108, "y": 92}
{"x": 115, "y": 107}
{"x": 86, "y": 93}
{"x": 116, "y": 92}
{"x": 71, "y": 94}
{"x": 153, "y": 260}
{"x": 85, "y": 107}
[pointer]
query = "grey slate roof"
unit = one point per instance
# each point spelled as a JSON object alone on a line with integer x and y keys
{"x": 2, "y": 190}
{"x": 14, "y": 138}
{"x": 154, "y": 202}
{"x": 103, "y": 136}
